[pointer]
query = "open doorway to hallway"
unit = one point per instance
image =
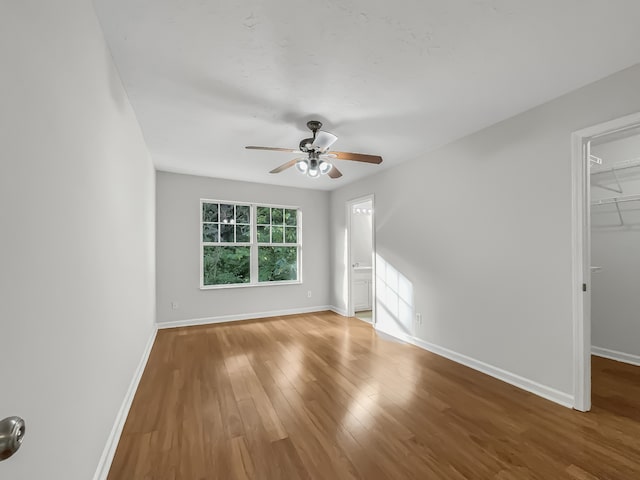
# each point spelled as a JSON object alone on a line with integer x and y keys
{"x": 361, "y": 253}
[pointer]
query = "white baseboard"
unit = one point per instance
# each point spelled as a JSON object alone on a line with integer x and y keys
{"x": 615, "y": 355}
{"x": 536, "y": 388}
{"x": 363, "y": 320}
{"x": 243, "y": 316}
{"x": 339, "y": 311}
{"x": 114, "y": 437}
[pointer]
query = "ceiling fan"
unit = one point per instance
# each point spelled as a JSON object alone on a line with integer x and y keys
{"x": 317, "y": 159}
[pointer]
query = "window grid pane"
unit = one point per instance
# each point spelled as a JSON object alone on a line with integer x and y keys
{"x": 291, "y": 217}
{"x": 282, "y": 229}
{"x": 210, "y": 232}
{"x": 243, "y": 234}
{"x": 218, "y": 220}
{"x": 242, "y": 214}
{"x": 291, "y": 235}
{"x": 226, "y": 265}
{"x": 277, "y": 264}
{"x": 263, "y": 216}
{"x": 277, "y": 234}
{"x": 209, "y": 212}
{"x": 277, "y": 216}
{"x": 264, "y": 234}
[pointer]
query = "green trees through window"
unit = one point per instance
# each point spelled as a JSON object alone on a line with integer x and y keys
{"x": 248, "y": 244}
{"x": 276, "y": 264}
{"x": 226, "y": 265}
{"x": 277, "y": 226}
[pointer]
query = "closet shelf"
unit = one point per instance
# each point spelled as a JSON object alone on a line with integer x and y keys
{"x": 597, "y": 167}
{"x": 617, "y": 201}
{"x": 624, "y": 198}
{"x": 613, "y": 167}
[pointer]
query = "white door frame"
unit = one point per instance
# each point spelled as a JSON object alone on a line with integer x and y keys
{"x": 581, "y": 251}
{"x": 349, "y": 206}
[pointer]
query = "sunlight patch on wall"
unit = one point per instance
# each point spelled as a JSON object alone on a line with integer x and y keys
{"x": 394, "y": 299}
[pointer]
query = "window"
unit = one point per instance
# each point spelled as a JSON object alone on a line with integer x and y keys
{"x": 248, "y": 244}
{"x": 277, "y": 244}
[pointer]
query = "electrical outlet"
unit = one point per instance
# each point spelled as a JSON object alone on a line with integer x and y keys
{"x": 309, "y": 294}
{"x": 175, "y": 305}
{"x": 419, "y": 318}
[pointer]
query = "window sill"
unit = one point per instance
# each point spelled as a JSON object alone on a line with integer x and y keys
{"x": 248, "y": 285}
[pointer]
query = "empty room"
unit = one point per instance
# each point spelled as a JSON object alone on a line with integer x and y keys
{"x": 320, "y": 240}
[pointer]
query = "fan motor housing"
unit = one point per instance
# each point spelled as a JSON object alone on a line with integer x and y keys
{"x": 304, "y": 142}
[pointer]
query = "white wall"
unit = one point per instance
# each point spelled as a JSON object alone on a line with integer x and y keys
{"x": 480, "y": 233}
{"x": 615, "y": 303}
{"x": 77, "y": 242}
{"x": 178, "y": 250}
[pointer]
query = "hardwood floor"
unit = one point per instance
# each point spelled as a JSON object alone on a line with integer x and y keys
{"x": 615, "y": 389}
{"x": 321, "y": 396}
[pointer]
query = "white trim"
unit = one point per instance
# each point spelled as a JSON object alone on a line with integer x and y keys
{"x": 242, "y": 316}
{"x": 615, "y": 355}
{"x": 104, "y": 465}
{"x": 581, "y": 252}
{"x": 249, "y": 285}
{"x": 374, "y": 255}
{"x": 339, "y": 311}
{"x": 242, "y": 202}
{"x": 581, "y": 272}
{"x": 564, "y": 399}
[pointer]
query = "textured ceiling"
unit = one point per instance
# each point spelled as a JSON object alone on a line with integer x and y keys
{"x": 396, "y": 79}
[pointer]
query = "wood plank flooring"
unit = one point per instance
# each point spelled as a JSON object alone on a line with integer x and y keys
{"x": 321, "y": 396}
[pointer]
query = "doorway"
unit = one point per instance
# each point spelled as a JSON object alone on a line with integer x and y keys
{"x": 584, "y": 162}
{"x": 361, "y": 258}
{"x": 615, "y": 270}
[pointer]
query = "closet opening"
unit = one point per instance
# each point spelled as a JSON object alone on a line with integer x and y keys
{"x": 615, "y": 270}
{"x": 606, "y": 266}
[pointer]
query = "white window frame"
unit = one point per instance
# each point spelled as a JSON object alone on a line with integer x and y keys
{"x": 253, "y": 245}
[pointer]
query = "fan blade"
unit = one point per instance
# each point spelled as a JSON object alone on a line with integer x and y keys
{"x": 358, "y": 157}
{"x": 324, "y": 140}
{"x": 284, "y": 166}
{"x": 275, "y": 149}
{"x": 334, "y": 172}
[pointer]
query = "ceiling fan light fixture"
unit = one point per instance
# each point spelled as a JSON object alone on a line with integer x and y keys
{"x": 324, "y": 167}
{"x": 302, "y": 166}
{"x": 313, "y": 171}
